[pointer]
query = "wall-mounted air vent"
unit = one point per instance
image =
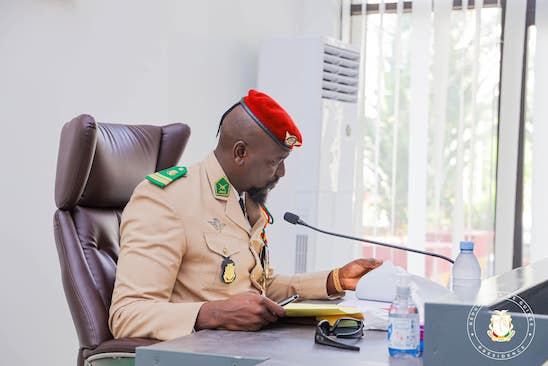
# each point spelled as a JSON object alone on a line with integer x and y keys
{"x": 340, "y": 73}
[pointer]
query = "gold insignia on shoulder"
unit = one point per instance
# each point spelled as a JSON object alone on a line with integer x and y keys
{"x": 167, "y": 176}
{"x": 222, "y": 187}
{"x": 291, "y": 140}
{"x": 228, "y": 270}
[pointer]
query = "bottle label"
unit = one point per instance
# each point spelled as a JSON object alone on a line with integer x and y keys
{"x": 403, "y": 333}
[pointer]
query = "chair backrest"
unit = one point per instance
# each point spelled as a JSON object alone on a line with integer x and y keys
{"x": 98, "y": 167}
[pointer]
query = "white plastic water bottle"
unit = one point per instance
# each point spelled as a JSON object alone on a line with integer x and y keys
{"x": 466, "y": 272}
{"x": 403, "y": 322}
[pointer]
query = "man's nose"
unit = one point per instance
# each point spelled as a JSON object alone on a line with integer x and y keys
{"x": 280, "y": 172}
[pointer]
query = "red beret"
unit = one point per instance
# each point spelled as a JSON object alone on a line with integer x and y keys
{"x": 273, "y": 119}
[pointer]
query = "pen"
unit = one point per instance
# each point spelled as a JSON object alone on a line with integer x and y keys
{"x": 288, "y": 300}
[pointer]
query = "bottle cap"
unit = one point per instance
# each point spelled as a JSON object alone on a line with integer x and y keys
{"x": 466, "y": 245}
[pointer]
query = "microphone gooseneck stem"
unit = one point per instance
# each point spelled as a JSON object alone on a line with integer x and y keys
{"x": 300, "y": 222}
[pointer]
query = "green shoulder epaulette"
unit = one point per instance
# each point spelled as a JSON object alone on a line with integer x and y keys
{"x": 166, "y": 176}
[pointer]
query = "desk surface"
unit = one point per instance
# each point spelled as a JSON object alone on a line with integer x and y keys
{"x": 282, "y": 344}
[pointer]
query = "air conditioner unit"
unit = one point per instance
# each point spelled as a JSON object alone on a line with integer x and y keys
{"x": 316, "y": 81}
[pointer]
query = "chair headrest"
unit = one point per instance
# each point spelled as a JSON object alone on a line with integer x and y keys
{"x": 100, "y": 164}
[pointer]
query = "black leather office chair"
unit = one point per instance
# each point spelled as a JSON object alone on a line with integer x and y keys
{"x": 98, "y": 167}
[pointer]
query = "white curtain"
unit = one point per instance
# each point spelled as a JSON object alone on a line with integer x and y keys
{"x": 510, "y": 100}
{"x": 421, "y": 43}
{"x": 428, "y": 109}
{"x": 539, "y": 228}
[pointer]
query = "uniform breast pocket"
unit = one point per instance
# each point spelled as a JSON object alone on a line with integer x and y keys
{"x": 229, "y": 259}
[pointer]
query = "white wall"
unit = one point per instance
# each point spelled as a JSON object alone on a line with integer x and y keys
{"x": 133, "y": 61}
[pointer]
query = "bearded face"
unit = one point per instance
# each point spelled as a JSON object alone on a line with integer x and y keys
{"x": 259, "y": 195}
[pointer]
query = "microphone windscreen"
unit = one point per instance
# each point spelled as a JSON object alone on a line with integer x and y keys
{"x": 291, "y": 218}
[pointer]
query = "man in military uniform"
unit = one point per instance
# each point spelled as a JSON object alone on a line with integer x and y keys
{"x": 194, "y": 253}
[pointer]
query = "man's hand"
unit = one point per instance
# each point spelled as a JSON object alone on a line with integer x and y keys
{"x": 350, "y": 273}
{"x": 247, "y": 311}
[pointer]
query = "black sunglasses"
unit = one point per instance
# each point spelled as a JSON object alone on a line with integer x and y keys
{"x": 343, "y": 328}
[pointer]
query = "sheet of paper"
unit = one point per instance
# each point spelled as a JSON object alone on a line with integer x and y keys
{"x": 380, "y": 285}
{"x": 375, "y": 313}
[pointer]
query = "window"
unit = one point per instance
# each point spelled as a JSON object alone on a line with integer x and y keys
{"x": 534, "y": 178}
{"x": 460, "y": 92}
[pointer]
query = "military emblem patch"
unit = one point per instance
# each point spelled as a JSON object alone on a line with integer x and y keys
{"x": 291, "y": 140}
{"x": 228, "y": 270}
{"x": 222, "y": 187}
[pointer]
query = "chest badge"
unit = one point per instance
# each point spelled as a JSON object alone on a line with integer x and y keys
{"x": 228, "y": 272}
{"x": 217, "y": 224}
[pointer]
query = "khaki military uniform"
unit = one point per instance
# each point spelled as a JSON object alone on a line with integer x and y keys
{"x": 173, "y": 244}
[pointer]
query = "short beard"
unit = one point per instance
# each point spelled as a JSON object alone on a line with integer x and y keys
{"x": 258, "y": 195}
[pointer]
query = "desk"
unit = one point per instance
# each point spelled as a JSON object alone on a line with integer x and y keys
{"x": 449, "y": 329}
{"x": 445, "y": 335}
{"x": 282, "y": 344}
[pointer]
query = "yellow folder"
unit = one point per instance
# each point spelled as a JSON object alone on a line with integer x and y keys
{"x": 331, "y": 312}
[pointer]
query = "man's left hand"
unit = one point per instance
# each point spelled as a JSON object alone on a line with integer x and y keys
{"x": 350, "y": 273}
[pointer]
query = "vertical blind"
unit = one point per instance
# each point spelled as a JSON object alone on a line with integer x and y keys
{"x": 429, "y": 109}
{"x": 539, "y": 198}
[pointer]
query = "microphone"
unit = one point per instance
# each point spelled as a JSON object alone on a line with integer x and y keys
{"x": 295, "y": 220}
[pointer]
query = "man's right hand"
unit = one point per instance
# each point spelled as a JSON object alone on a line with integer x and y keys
{"x": 247, "y": 311}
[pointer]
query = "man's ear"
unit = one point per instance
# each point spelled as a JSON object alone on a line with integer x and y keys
{"x": 240, "y": 152}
